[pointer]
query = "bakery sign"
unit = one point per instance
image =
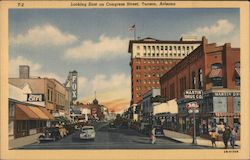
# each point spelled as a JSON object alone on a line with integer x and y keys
{"x": 35, "y": 97}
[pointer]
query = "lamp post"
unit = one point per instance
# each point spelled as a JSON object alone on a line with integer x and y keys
{"x": 193, "y": 108}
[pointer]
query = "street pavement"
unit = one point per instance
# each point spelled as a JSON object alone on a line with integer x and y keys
{"x": 113, "y": 138}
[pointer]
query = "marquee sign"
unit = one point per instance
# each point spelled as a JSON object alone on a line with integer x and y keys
{"x": 74, "y": 87}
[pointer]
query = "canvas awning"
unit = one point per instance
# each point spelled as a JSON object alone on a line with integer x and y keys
{"x": 45, "y": 111}
{"x": 39, "y": 113}
{"x": 25, "y": 113}
{"x": 215, "y": 73}
{"x": 237, "y": 71}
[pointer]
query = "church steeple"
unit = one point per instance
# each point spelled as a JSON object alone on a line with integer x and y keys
{"x": 95, "y": 101}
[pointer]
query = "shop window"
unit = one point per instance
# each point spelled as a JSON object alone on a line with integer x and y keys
{"x": 21, "y": 126}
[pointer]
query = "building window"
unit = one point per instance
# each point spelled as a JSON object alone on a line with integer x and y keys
{"x": 138, "y": 47}
{"x": 216, "y": 74}
{"x": 166, "y": 54}
{"x": 237, "y": 75}
{"x": 200, "y": 79}
{"x": 170, "y": 48}
{"x": 179, "y": 47}
{"x": 50, "y": 95}
{"x": 193, "y": 80}
{"x": 166, "y": 48}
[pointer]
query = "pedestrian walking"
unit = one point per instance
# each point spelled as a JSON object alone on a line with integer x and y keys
{"x": 153, "y": 138}
{"x": 226, "y": 136}
{"x": 233, "y": 137}
{"x": 213, "y": 136}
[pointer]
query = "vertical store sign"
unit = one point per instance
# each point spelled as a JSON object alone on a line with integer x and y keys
{"x": 74, "y": 87}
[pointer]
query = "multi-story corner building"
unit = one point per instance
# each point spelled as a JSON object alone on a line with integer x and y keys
{"x": 215, "y": 70}
{"x": 54, "y": 94}
{"x": 152, "y": 58}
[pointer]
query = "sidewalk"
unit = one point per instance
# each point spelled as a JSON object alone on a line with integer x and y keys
{"x": 19, "y": 142}
{"x": 184, "y": 138}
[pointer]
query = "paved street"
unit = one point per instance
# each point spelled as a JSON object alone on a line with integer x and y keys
{"x": 112, "y": 138}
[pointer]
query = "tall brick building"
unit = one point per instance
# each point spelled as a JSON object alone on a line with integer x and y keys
{"x": 215, "y": 70}
{"x": 152, "y": 58}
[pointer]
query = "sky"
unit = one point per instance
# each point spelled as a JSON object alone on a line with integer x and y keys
{"x": 94, "y": 42}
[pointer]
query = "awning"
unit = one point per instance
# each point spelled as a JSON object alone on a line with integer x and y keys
{"x": 39, "y": 113}
{"x": 225, "y": 114}
{"x": 46, "y": 112}
{"x": 25, "y": 113}
{"x": 237, "y": 71}
{"x": 215, "y": 73}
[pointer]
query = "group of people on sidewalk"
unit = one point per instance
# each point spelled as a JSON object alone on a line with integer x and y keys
{"x": 228, "y": 134}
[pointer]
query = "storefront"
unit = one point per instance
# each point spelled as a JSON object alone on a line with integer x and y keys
{"x": 221, "y": 106}
{"x": 26, "y": 119}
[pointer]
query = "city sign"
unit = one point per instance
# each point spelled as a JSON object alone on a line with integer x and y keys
{"x": 35, "y": 97}
{"x": 193, "y": 94}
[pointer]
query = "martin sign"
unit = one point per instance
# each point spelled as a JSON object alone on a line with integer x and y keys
{"x": 193, "y": 94}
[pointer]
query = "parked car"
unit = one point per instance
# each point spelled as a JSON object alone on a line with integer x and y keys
{"x": 87, "y": 132}
{"x": 112, "y": 125}
{"x": 159, "y": 131}
{"x": 50, "y": 134}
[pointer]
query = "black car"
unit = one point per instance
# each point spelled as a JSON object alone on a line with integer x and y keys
{"x": 112, "y": 125}
{"x": 159, "y": 131}
{"x": 50, "y": 134}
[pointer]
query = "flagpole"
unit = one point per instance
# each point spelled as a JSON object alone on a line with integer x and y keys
{"x": 135, "y": 33}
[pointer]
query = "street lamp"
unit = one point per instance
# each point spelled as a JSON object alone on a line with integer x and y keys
{"x": 193, "y": 108}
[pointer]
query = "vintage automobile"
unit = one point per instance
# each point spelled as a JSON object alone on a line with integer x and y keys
{"x": 112, "y": 125}
{"x": 87, "y": 132}
{"x": 50, "y": 134}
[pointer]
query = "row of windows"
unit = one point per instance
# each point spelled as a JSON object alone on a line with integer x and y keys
{"x": 149, "y": 75}
{"x": 158, "y": 68}
{"x": 163, "y": 54}
{"x": 166, "y": 48}
{"x": 156, "y": 61}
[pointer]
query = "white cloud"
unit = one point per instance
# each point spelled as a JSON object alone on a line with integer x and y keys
{"x": 43, "y": 35}
{"x": 35, "y": 69}
{"x": 222, "y": 31}
{"x": 221, "y": 27}
{"x": 105, "y": 47}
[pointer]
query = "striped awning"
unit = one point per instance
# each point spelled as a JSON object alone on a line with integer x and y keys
{"x": 225, "y": 114}
{"x": 215, "y": 73}
{"x": 39, "y": 113}
{"x": 47, "y": 113}
{"x": 24, "y": 112}
{"x": 237, "y": 71}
